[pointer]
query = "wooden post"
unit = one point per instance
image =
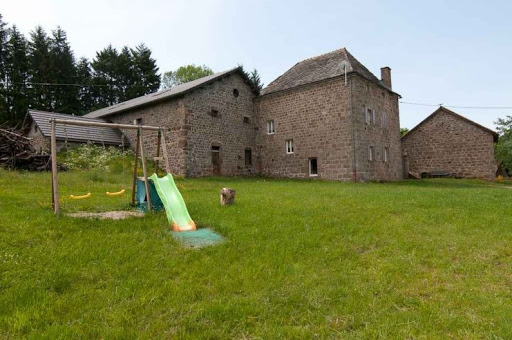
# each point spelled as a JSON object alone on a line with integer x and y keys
{"x": 135, "y": 165}
{"x": 144, "y": 168}
{"x": 55, "y": 185}
{"x": 158, "y": 150}
{"x": 165, "y": 154}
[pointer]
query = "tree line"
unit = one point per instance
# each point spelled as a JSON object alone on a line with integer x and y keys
{"x": 41, "y": 72}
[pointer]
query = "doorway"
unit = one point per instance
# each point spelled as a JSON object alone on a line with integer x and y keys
{"x": 216, "y": 160}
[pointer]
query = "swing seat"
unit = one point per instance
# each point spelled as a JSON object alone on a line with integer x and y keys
{"x": 80, "y": 197}
{"x": 119, "y": 193}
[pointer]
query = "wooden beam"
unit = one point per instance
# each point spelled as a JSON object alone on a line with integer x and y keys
{"x": 164, "y": 153}
{"x": 135, "y": 165}
{"x": 107, "y": 125}
{"x": 55, "y": 185}
{"x": 157, "y": 158}
{"x": 144, "y": 169}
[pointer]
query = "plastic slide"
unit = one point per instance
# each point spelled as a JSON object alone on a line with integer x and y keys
{"x": 175, "y": 207}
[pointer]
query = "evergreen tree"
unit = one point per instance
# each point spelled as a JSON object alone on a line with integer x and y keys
{"x": 62, "y": 66}
{"x": 85, "y": 91}
{"x": 255, "y": 79}
{"x": 105, "y": 77}
{"x": 145, "y": 72}
{"x": 16, "y": 70}
{"x": 40, "y": 70}
{"x": 125, "y": 75}
{"x": 3, "y": 53}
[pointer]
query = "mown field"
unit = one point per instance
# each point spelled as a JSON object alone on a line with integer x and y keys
{"x": 417, "y": 259}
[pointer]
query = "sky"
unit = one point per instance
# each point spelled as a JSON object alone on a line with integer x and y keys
{"x": 455, "y": 53}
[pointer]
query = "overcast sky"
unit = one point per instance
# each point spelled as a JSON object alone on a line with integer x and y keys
{"x": 452, "y": 52}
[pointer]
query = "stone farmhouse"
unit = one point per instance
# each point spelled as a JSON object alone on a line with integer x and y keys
{"x": 448, "y": 142}
{"x": 327, "y": 117}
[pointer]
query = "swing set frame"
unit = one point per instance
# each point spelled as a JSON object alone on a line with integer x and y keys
{"x": 139, "y": 149}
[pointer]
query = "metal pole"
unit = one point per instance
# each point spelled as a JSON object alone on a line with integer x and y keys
{"x": 55, "y": 185}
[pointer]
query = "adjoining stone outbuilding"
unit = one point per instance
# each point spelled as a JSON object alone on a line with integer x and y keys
{"x": 208, "y": 123}
{"x": 446, "y": 142}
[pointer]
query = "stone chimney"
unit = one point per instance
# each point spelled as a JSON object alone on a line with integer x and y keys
{"x": 385, "y": 76}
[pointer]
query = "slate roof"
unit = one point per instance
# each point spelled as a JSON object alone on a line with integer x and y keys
{"x": 318, "y": 68}
{"x": 162, "y": 95}
{"x": 75, "y": 133}
{"x": 445, "y": 110}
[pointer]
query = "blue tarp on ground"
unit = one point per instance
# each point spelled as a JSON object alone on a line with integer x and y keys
{"x": 197, "y": 239}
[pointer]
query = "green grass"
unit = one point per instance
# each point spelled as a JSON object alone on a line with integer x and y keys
{"x": 417, "y": 259}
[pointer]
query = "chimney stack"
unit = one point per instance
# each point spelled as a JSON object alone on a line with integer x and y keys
{"x": 385, "y": 76}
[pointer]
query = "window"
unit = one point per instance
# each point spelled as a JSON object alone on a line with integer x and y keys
{"x": 215, "y": 148}
{"x": 235, "y": 92}
{"x": 313, "y": 167}
{"x": 371, "y": 153}
{"x": 383, "y": 119}
{"x": 367, "y": 116}
{"x": 386, "y": 154}
{"x": 247, "y": 120}
{"x": 214, "y": 113}
{"x": 248, "y": 157}
{"x": 137, "y": 121}
{"x": 289, "y": 146}
{"x": 270, "y": 127}
{"x": 374, "y": 117}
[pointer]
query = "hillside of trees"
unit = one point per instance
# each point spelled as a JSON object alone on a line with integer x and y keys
{"x": 41, "y": 72}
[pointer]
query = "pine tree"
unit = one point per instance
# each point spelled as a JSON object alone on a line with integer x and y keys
{"x": 40, "y": 70}
{"x": 3, "y": 52}
{"x": 125, "y": 75}
{"x": 85, "y": 92}
{"x": 63, "y": 68}
{"x": 16, "y": 69}
{"x": 147, "y": 79}
{"x": 105, "y": 77}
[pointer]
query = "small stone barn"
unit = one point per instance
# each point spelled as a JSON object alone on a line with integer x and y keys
{"x": 448, "y": 143}
{"x": 38, "y": 128}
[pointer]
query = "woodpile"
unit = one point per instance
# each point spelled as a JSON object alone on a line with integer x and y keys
{"x": 16, "y": 152}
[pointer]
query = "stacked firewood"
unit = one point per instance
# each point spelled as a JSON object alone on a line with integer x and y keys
{"x": 16, "y": 152}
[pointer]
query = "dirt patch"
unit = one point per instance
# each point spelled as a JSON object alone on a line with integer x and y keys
{"x": 112, "y": 215}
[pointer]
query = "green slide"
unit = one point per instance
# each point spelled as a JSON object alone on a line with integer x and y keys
{"x": 175, "y": 207}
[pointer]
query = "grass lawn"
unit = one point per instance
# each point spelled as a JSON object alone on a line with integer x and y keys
{"x": 417, "y": 259}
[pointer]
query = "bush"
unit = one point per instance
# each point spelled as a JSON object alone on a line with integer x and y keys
{"x": 95, "y": 157}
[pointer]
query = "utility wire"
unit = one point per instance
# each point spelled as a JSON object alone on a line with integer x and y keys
{"x": 459, "y": 107}
{"x": 77, "y": 85}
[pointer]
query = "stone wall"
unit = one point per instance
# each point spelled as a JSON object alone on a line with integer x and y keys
{"x": 171, "y": 115}
{"x": 383, "y": 131}
{"x": 317, "y": 118}
{"x": 230, "y": 127}
{"x": 445, "y": 142}
{"x": 39, "y": 142}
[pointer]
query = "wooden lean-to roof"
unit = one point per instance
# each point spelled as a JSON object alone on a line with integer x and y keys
{"x": 73, "y": 133}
